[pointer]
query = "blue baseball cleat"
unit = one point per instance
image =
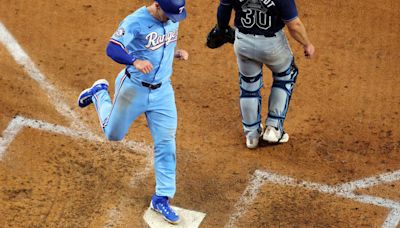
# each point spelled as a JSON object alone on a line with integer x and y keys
{"x": 85, "y": 98}
{"x": 160, "y": 204}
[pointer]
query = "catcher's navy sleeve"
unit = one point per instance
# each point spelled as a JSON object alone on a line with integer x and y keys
{"x": 288, "y": 10}
{"x": 118, "y": 54}
{"x": 224, "y": 13}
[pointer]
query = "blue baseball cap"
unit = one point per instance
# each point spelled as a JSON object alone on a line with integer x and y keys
{"x": 174, "y": 9}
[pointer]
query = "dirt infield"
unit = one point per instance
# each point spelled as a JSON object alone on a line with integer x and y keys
{"x": 344, "y": 122}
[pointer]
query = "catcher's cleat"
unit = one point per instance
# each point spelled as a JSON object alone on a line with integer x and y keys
{"x": 85, "y": 98}
{"x": 160, "y": 205}
{"x": 251, "y": 142}
{"x": 273, "y": 135}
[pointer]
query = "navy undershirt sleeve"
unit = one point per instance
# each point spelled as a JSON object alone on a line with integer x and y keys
{"x": 288, "y": 9}
{"x": 224, "y": 13}
{"x": 118, "y": 54}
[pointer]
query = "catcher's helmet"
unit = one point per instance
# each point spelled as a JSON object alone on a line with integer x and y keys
{"x": 174, "y": 9}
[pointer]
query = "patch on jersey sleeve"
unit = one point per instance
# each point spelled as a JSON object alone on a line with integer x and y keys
{"x": 120, "y": 32}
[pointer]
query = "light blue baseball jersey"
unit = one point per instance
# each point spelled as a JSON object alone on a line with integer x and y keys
{"x": 146, "y": 38}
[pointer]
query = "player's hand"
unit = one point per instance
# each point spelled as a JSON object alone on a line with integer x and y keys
{"x": 181, "y": 54}
{"x": 309, "y": 51}
{"x": 143, "y": 66}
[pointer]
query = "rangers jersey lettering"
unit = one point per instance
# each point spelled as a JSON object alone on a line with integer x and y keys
{"x": 156, "y": 41}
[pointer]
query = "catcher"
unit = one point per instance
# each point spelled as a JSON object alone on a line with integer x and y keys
{"x": 259, "y": 39}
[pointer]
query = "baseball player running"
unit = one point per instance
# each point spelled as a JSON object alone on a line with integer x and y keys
{"x": 259, "y": 40}
{"x": 145, "y": 42}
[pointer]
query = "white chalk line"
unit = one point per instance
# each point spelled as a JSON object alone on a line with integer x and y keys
{"x": 8, "y": 135}
{"x": 393, "y": 219}
{"x": 78, "y": 128}
{"x": 248, "y": 196}
{"x": 22, "y": 58}
{"x": 19, "y": 122}
{"x": 371, "y": 181}
{"x": 344, "y": 190}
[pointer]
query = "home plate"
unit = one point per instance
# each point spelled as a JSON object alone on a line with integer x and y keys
{"x": 188, "y": 218}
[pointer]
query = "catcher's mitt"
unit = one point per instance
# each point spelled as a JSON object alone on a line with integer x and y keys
{"x": 218, "y": 37}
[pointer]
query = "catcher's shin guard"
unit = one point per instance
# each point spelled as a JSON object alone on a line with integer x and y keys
{"x": 281, "y": 93}
{"x": 250, "y": 104}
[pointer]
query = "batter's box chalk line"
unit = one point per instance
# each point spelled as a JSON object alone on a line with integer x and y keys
{"x": 188, "y": 219}
{"x": 18, "y": 123}
{"x": 77, "y": 130}
{"x": 346, "y": 190}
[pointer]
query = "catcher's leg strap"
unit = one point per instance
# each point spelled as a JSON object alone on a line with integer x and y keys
{"x": 281, "y": 92}
{"x": 250, "y": 102}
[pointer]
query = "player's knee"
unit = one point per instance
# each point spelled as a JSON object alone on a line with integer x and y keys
{"x": 287, "y": 79}
{"x": 289, "y": 74}
{"x": 166, "y": 145}
{"x": 165, "y": 154}
{"x": 250, "y": 86}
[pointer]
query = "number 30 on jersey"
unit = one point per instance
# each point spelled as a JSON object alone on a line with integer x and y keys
{"x": 256, "y": 17}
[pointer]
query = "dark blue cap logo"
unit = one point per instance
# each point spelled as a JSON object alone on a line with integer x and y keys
{"x": 174, "y": 9}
